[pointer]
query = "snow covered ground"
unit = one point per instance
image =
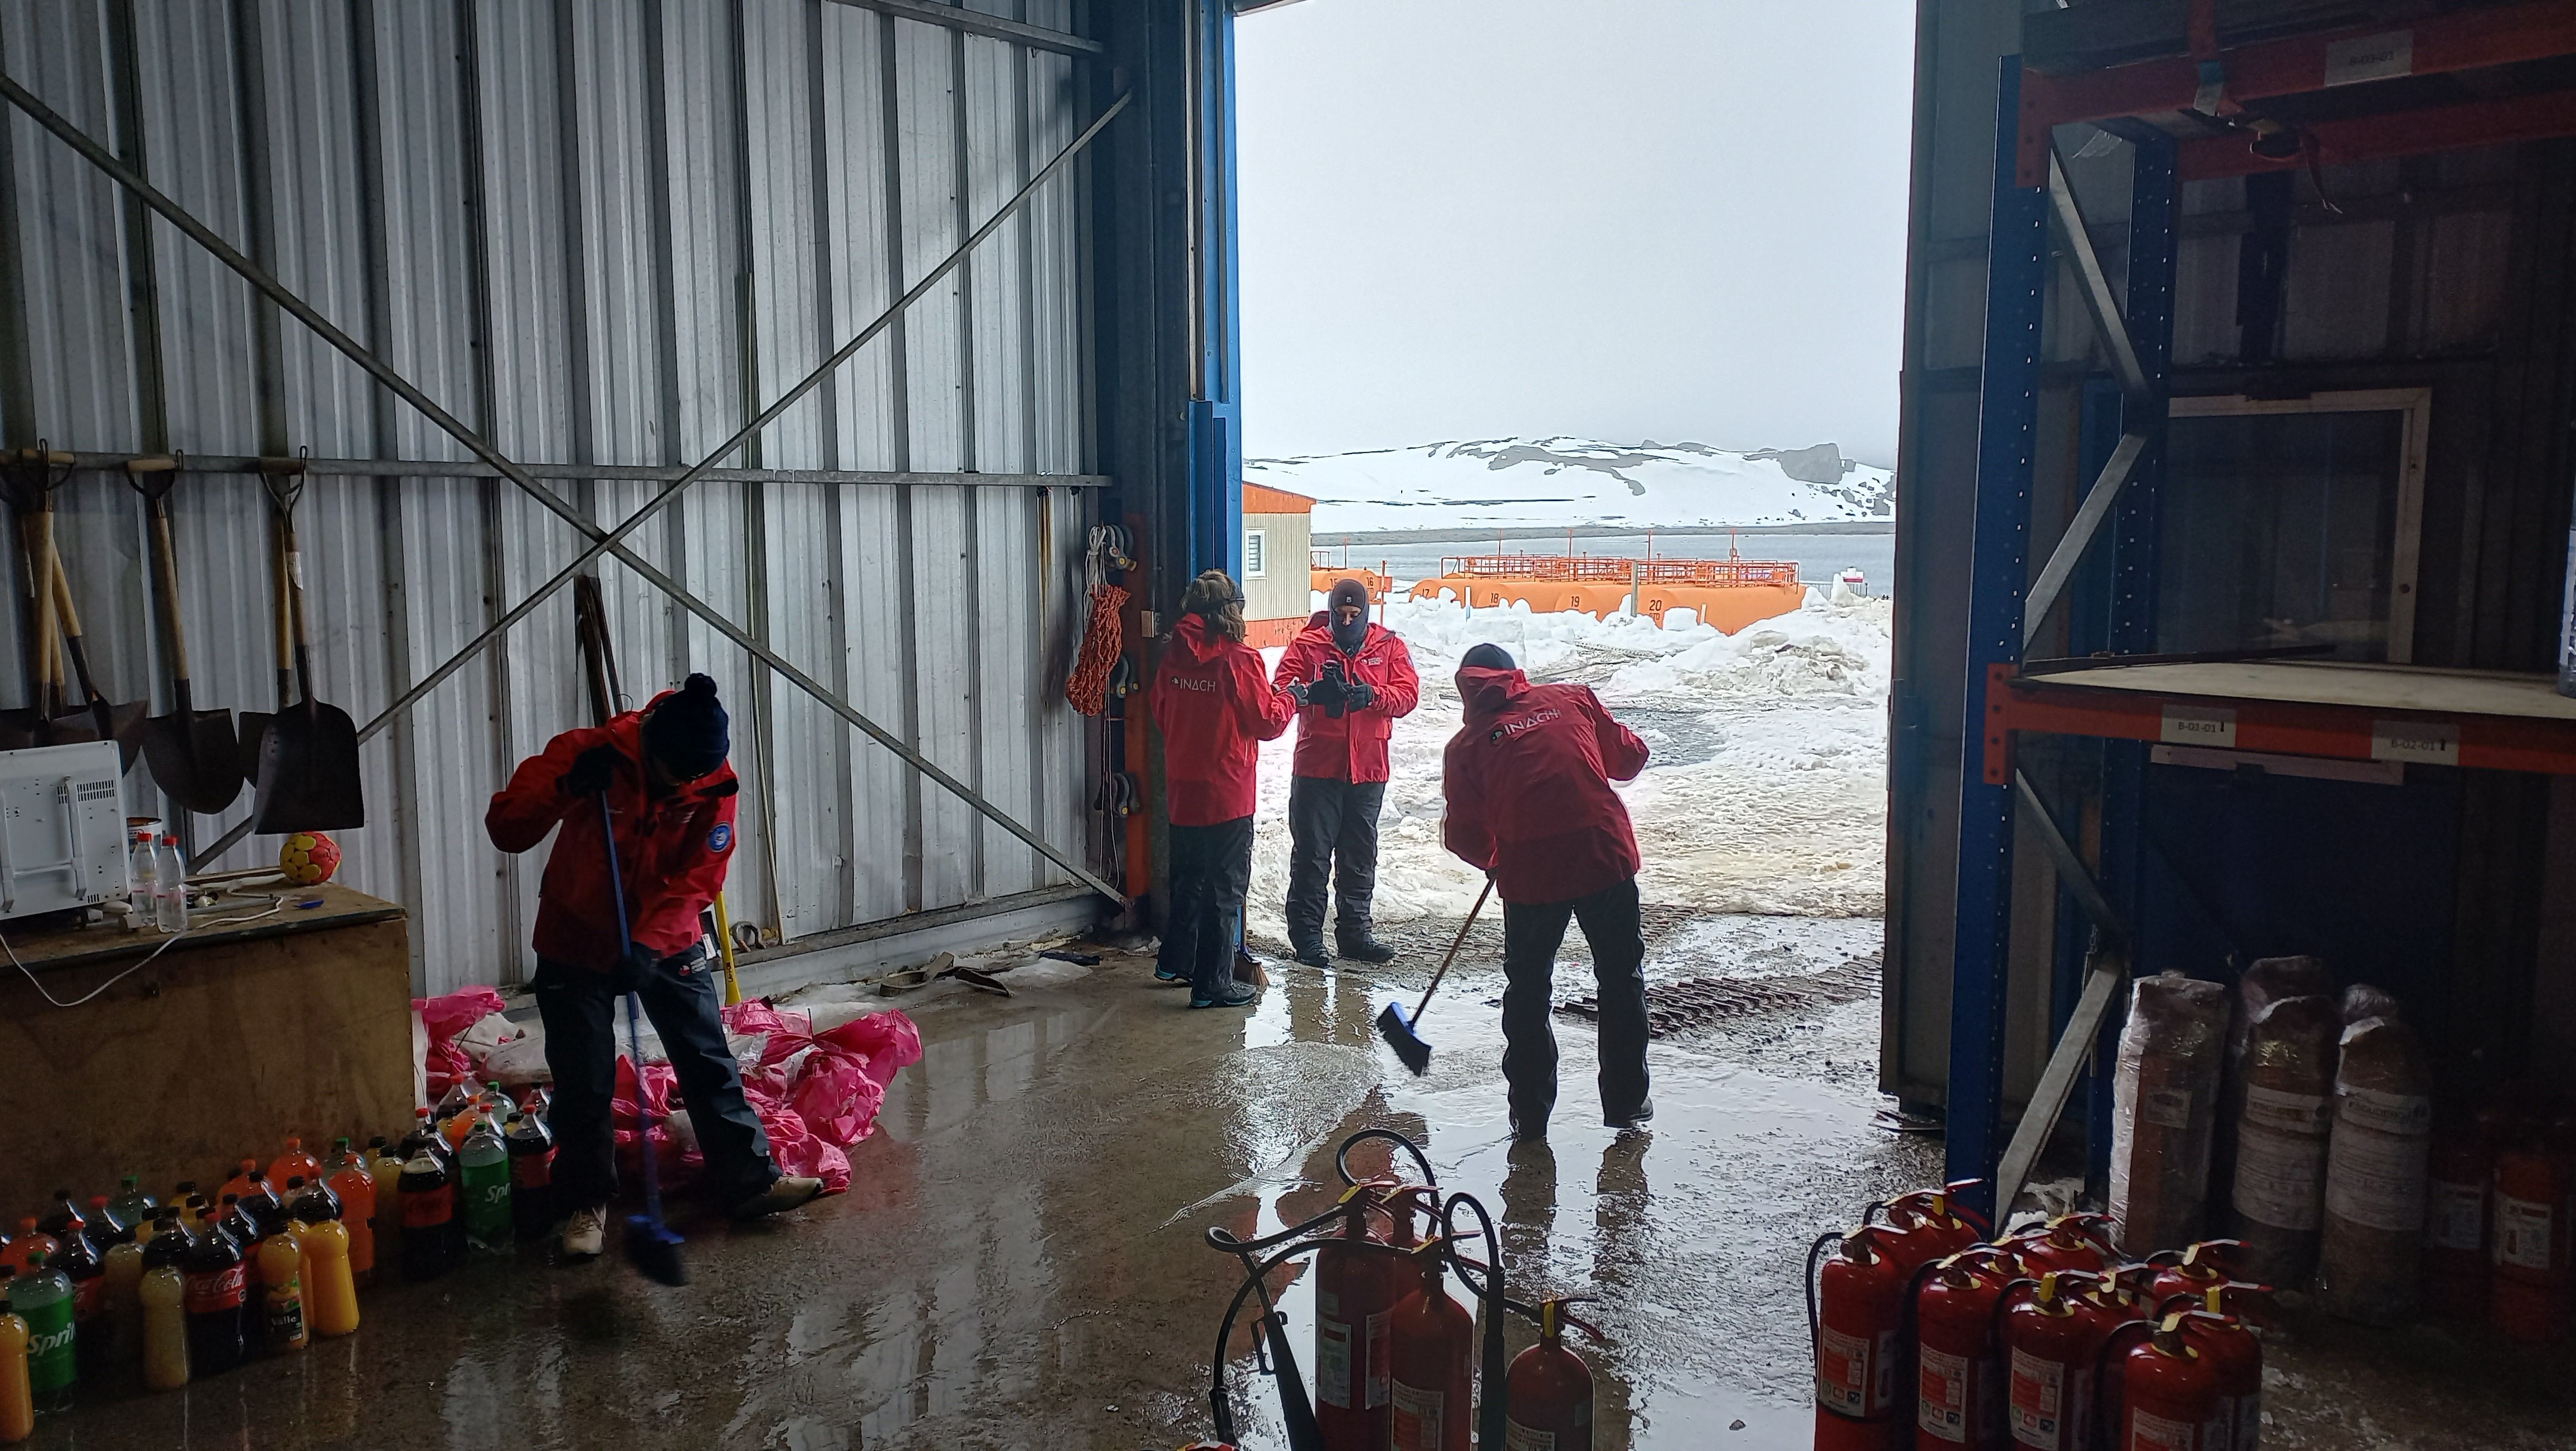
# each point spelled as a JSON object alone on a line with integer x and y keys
{"x": 1767, "y": 791}
{"x": 1564, "y": 483}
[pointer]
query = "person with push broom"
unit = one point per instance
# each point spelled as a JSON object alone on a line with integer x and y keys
{"x": 1214, "y": 708}
{"x": 1528, "y": 780}
{"x": 660, "y": 778}
{"x": 1358, "y": 680}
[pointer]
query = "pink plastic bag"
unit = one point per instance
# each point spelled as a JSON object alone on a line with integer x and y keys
{"x": 444, "y": 1018}
{"x": 842, "y": 1082}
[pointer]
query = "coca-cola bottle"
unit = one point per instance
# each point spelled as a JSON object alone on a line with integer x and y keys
{"x": 532, "y": 1172}
{"x": 215, "y": 1279}
{"x": 429, "y": 1215}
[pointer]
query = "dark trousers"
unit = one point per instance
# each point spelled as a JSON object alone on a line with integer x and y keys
{"x": 1531, "y": 934}
{"x": 1211, "y": 868}
{"x": 585, "y": 1022}
{"x": 1332, "y": 833}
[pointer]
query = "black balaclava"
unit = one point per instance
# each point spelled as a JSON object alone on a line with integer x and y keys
{"x": 1486, "y": 657}
{"x": 688, "y": 730}
{"x": 1351, "y": 636}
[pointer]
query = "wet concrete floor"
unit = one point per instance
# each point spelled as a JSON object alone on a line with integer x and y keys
{"x": 1021, "y": 1261}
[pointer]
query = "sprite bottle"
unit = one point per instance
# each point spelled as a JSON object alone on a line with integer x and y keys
{"x": 484, "y": 1160}
{"x": 43, "y": 1298}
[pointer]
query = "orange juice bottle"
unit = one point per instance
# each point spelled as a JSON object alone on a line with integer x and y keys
{"x": 164, "y": 1293}
{"x": 331, "y": 1293}
{"x": 357, "y": 1190}
{"x": 17, "y": 1398}
{"x": 281, "y": 1278}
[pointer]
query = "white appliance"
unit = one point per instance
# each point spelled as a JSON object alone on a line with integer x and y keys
{"x": 62, "y": 828}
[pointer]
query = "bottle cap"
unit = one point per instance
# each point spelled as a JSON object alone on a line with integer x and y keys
{"x": 294, "y": 1182}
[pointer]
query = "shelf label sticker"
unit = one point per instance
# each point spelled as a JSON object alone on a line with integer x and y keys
{"x": 2199, "y": 725}
{"x": 2434, "y": 743}
{"x": 2360, "y": 58}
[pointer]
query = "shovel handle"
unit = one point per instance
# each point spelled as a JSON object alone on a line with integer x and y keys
{"x": 292, "y": 564}
{"x": 278, "y": 616}
{"x": 71, "y": 627}
{"x": 165, "y": 574}
{"x": 1454, "y": 944}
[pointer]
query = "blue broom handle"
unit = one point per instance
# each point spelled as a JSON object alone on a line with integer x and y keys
{"x": 634, "y": 1016}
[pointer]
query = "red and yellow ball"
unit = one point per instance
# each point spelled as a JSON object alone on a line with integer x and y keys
{"x": 308, "y": 858}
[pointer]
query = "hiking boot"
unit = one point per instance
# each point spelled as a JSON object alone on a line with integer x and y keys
{"x": 1165, "y": 975}
{"x": 585, "y": 1233}
{"x": 1634, "y": 1118}
{"x": 1360, "y": 944}
{"x": 786, "y": 1192}
{"x": 1310, "y": 950}
{"x": 1232, "y": 995}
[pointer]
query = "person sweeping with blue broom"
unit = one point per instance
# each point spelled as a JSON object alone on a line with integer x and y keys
{"x": 621, "y": 913}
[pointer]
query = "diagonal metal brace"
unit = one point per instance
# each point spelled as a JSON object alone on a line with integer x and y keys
{"x": 604, "y": 541}
{"x": 2095, "y": 284}
{"x": 2070, "y": 547}
{"x": 2107, "y": 971}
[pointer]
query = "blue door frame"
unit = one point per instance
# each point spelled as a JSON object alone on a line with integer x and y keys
{"x": 1215, "y": 411}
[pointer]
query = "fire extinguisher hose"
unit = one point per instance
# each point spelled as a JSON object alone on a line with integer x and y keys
{"x": 1825, "y": 1244}
{"x": 1342, "y": 1156}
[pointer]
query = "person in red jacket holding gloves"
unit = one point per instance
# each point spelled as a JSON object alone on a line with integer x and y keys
{"x": 1214, "y": 708}
{"x": 1357, "y": 679}
{"x": 671, "y": 795}
{"x": 1528, "y": 778}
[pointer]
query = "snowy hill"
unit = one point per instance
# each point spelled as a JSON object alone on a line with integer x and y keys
{"x": 1573, "y": 483}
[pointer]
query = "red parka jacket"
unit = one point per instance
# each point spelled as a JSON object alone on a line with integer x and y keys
{"x": 1528, "y": 778}
{"x": 672, "y": 850}
{"x": 1352, "y": 748}
{"x": 1214, "y": 710}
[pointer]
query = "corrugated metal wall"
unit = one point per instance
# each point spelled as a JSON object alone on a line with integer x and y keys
{"x": 601, "y": 233}
{"x": 2451, "y": 272}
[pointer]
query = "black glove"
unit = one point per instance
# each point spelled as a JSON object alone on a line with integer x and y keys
{"x": 1329, "y": 691}
{"x": 590, "y": 773}
{"x": 1360, "y": 696}
{"x": 1297, "y": 692}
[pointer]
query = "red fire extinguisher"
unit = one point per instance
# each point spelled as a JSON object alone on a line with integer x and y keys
{"x": 2168, "y": 1395}
{"x": 1549, "y": 1389}
{"x": 2068, "y": 1242}
{"x": 2195, "y": 1271}
{"x": 2220, "y": 1326}
{"x": 2456, "y": 1193}
{"x": 2053, "y": 1333}
{"x": 2531, "y": 1239}
{"x": 1927, "y": 1225}
{"x": 1432, "y": 1351}
{"x": 1354, "y": 1295}
{"x": 1855, "y": 1320}
{"x": 1958, "y": 1369}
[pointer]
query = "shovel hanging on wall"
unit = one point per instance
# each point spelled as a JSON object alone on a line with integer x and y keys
{"x": 195, "y": 757}
{"x": 98, "y": 720}
{"x": 308, "y": 758}
{"x": 30, "y": 478}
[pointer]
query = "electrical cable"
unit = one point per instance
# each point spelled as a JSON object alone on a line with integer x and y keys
{"x": 276, "y": 904}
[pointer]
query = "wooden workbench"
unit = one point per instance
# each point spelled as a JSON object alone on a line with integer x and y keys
{"x": 232, "y": 1039}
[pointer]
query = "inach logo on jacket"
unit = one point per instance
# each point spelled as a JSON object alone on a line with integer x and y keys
{"x": 1521, "y": 724}
{"x": 1185, "y": 682}
{"x": 720, "y": 838}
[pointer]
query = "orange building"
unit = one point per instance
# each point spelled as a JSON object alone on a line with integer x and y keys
{"x": 1278, "y": 534}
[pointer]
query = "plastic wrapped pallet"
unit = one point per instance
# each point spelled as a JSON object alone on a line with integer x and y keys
{"x": 2164, "y": 1107}
{"x": 2285, "y": 1101}
{"x": 2266, "y": 982}
{"x": 2369, "y": 1257}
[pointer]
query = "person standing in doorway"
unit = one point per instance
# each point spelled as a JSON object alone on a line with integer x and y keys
{"x": 1528, "y": 780}
{"x": 1214, "y": 710}
{"x": 671, "y": 797}
{"x": 1357, "y": 680}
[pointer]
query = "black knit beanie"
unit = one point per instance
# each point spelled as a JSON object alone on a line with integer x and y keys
{"x": 1486, "y": 657}
{"x": 688, "y": 732}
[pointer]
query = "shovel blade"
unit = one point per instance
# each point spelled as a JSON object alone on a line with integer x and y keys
{"x": 308, "y": 772}
{"x": 195, "y": 760}
{"x": 80, "y": 725}
{"x": 252, "y": 729}
{"x": 122, "y": 724}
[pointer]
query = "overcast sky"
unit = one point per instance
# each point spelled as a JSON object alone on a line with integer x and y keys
{"x": 1622, "y": 219}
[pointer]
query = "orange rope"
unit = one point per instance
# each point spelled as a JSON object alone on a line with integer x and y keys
{"x": 1088, "y": 689}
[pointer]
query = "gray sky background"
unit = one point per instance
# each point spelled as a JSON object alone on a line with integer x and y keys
{"x": 1622, "y": 219}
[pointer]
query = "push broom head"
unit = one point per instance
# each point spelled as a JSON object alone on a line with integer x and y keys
{"x": 655, "y": 1251}
{"x": 1399, "y": 1035}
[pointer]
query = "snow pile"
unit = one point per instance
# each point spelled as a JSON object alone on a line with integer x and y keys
{"x": 1564, "y": 482}
{"x": 1767, "y": 792}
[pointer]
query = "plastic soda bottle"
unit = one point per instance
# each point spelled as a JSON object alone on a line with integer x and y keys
{"x": 384, "y": 1168}
{"x": 295, "y": 1164}
{"x": 331, "y": 1295}
{"x": 247, "y": 1235}
{"x": 266, "y": 1212}
{"x": 357, "y": 1193}
{"x": 64, "y": 1217}
{"x": 487, "y": 1187}
{"x": 143, "y": 871}
{"x": 132, "y": 1207}
{"x": 429, "y": 1212}
{"x": 171, "y": 909}
{"x": 106, "y": 1226}
{"x": 217, "y": 1286}
{"x": 124, "y": 1312}
{"x": 17, "y": 1398}
{"x": 42, "y": 1297}
{"x": 30, "y": 1243}
{"x": 238, "y": 1186}
{"x": 80, "y": 1264}
{"x": 532, "y": 1174}
{"x": 164, "y": 1293}
{"x": 457, "y": 1110}
{"x": 281, "y": 1280}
